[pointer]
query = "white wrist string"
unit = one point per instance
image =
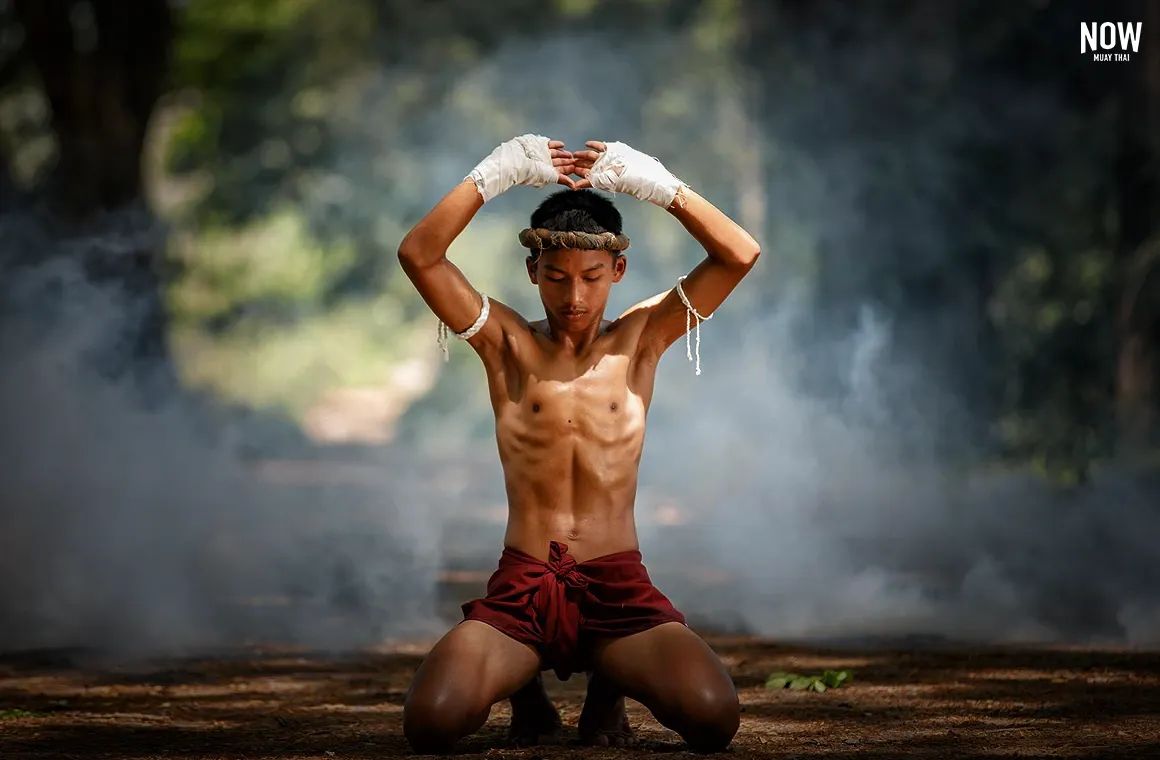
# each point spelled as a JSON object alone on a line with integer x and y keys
{"x": 690, "y": 313}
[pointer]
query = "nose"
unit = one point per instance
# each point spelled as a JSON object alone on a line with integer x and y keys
{"x": 574, "y": 293}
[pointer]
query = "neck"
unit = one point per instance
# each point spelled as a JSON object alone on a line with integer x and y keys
{"x": 575, "y": 338}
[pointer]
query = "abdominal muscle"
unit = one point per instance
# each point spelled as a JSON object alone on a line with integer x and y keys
{"x": 570, "y": 456}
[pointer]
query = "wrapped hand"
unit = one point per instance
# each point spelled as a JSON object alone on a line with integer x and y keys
{"x": 619, "y": 168}
{"x": 528, "y": 160}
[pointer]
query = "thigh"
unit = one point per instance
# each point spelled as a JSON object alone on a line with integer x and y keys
{"x": 670, "y": 670}
{"x": 471, "y": 668}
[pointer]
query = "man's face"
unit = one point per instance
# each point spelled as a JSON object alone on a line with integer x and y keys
{"x": 574, "y": 283}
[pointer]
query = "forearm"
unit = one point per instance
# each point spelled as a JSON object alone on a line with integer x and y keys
{"x": 724, "y": 240}
{"x": 427, "y": 242}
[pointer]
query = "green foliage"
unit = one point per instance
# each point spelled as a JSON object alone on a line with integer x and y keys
{"x": 303, "y": 138}
{"x": 307, "y": 134}
{"x": 830, "y": 679}
{"x": 273, "y": 262}
{"x": 15, "y": 714}
{"x": 256, "y": 77}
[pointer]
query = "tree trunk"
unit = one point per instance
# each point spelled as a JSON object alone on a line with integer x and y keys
{"x": 102, "y": 66}
{"x": 1138, "y": 268}
{"x": 102, "y": 74}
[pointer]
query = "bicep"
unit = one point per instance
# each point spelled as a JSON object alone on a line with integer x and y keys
{"x": 455, "y": 302}
{"x": 667, "y": 319}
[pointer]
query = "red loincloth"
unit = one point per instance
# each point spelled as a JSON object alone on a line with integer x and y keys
{"x": 556, "y": 606}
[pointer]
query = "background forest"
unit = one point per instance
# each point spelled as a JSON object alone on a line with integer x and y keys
{"x": 933, "y": 404}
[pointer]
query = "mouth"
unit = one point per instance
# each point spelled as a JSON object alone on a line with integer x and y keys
{"x": 572, "y": 314}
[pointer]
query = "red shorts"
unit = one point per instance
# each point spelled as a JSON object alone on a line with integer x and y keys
{"x": 558, "y": 607}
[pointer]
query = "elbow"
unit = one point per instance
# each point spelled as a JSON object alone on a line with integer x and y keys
{"x": 408, "y": 251}
{"x": 412, "y": 255}
{"x": 742, "y": 251}
{"x": 745, "y": 258}
{"x": 745, "y": 249}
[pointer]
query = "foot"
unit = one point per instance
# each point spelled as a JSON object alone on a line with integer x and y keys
{"x": 535, "y": 720}
{"x": 604, "y": 721}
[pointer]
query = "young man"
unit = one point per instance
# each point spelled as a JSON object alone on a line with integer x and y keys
{"x": 571, "y": 393}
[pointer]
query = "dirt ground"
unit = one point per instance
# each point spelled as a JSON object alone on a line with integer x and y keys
{"x": 903, "y": 703}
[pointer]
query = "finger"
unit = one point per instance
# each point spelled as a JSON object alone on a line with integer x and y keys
{"x": 565, "y": 161}
{"x": 555, "y": 144}
{"x": 558, "y": 153}
{"x": 566, "y": 181}
{"x": 581, "y": 184}
{"x": 590, "y": 156}
{"x": 597, "y": 145}
{"x": 582, "y": 171}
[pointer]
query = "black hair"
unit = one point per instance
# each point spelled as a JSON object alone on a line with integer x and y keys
{"x": 577, "y": 211}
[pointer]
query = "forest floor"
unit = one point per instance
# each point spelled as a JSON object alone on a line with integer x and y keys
{"x": 903, "y": 702}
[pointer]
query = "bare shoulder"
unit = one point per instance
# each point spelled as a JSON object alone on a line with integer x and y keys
{"x": 628, "y": 334}
{"x": 510, "y": 319}
{"x": 633, "y": 324}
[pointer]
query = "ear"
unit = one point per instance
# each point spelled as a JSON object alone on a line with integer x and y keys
{"x": 619, "y": 265}
{"x": 531, "y": 262}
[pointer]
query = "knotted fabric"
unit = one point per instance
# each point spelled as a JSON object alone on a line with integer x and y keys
{"x": 557, "y": 602}
{"x": 556, "y": 606}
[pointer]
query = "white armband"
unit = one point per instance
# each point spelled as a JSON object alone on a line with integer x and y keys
{"x": 466, "y": 334}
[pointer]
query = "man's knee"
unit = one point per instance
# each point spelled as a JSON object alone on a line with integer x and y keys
{"x": 437, "y": 716}
{"x": 709, "y": 716}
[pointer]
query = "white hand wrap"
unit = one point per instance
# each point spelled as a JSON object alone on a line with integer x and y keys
{"x": 524, "y": 160}
{"x": 622, "y": 169}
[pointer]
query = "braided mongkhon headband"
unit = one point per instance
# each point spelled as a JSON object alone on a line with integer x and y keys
{"x": 538, "y": 239}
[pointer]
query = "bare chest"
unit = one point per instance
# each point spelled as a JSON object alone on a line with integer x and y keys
{"x": 578, "y": 404}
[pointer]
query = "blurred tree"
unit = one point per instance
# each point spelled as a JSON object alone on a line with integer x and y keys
{"x": 1138, "y": 250}
{"x": 100, "y": 67}
{"x": 970, "y": 149}
{"x": 960, "y": 150}
{"x": 332, "y": 108}
{"x": 355, "y": 118}
{"x": 885, "y": 106}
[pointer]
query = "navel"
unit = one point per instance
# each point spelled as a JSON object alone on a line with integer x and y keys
{"x": 535, "y": 407}
{"x": 613, "y": 406}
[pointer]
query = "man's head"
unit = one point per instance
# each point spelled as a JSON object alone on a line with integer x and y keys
{"x": 581, "y": 255}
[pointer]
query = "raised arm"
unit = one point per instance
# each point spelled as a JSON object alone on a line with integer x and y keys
{"x": 528, "y": 160}
{"x": 730, "y": 251}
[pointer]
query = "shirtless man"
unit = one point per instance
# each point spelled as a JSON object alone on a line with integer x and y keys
{"x": 570, "y": 394}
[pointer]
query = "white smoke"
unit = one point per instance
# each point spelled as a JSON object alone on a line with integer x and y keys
{"x": 818, "y": 523}
{"x": 806, "y": 516}
{"x": 142, "y": 528}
